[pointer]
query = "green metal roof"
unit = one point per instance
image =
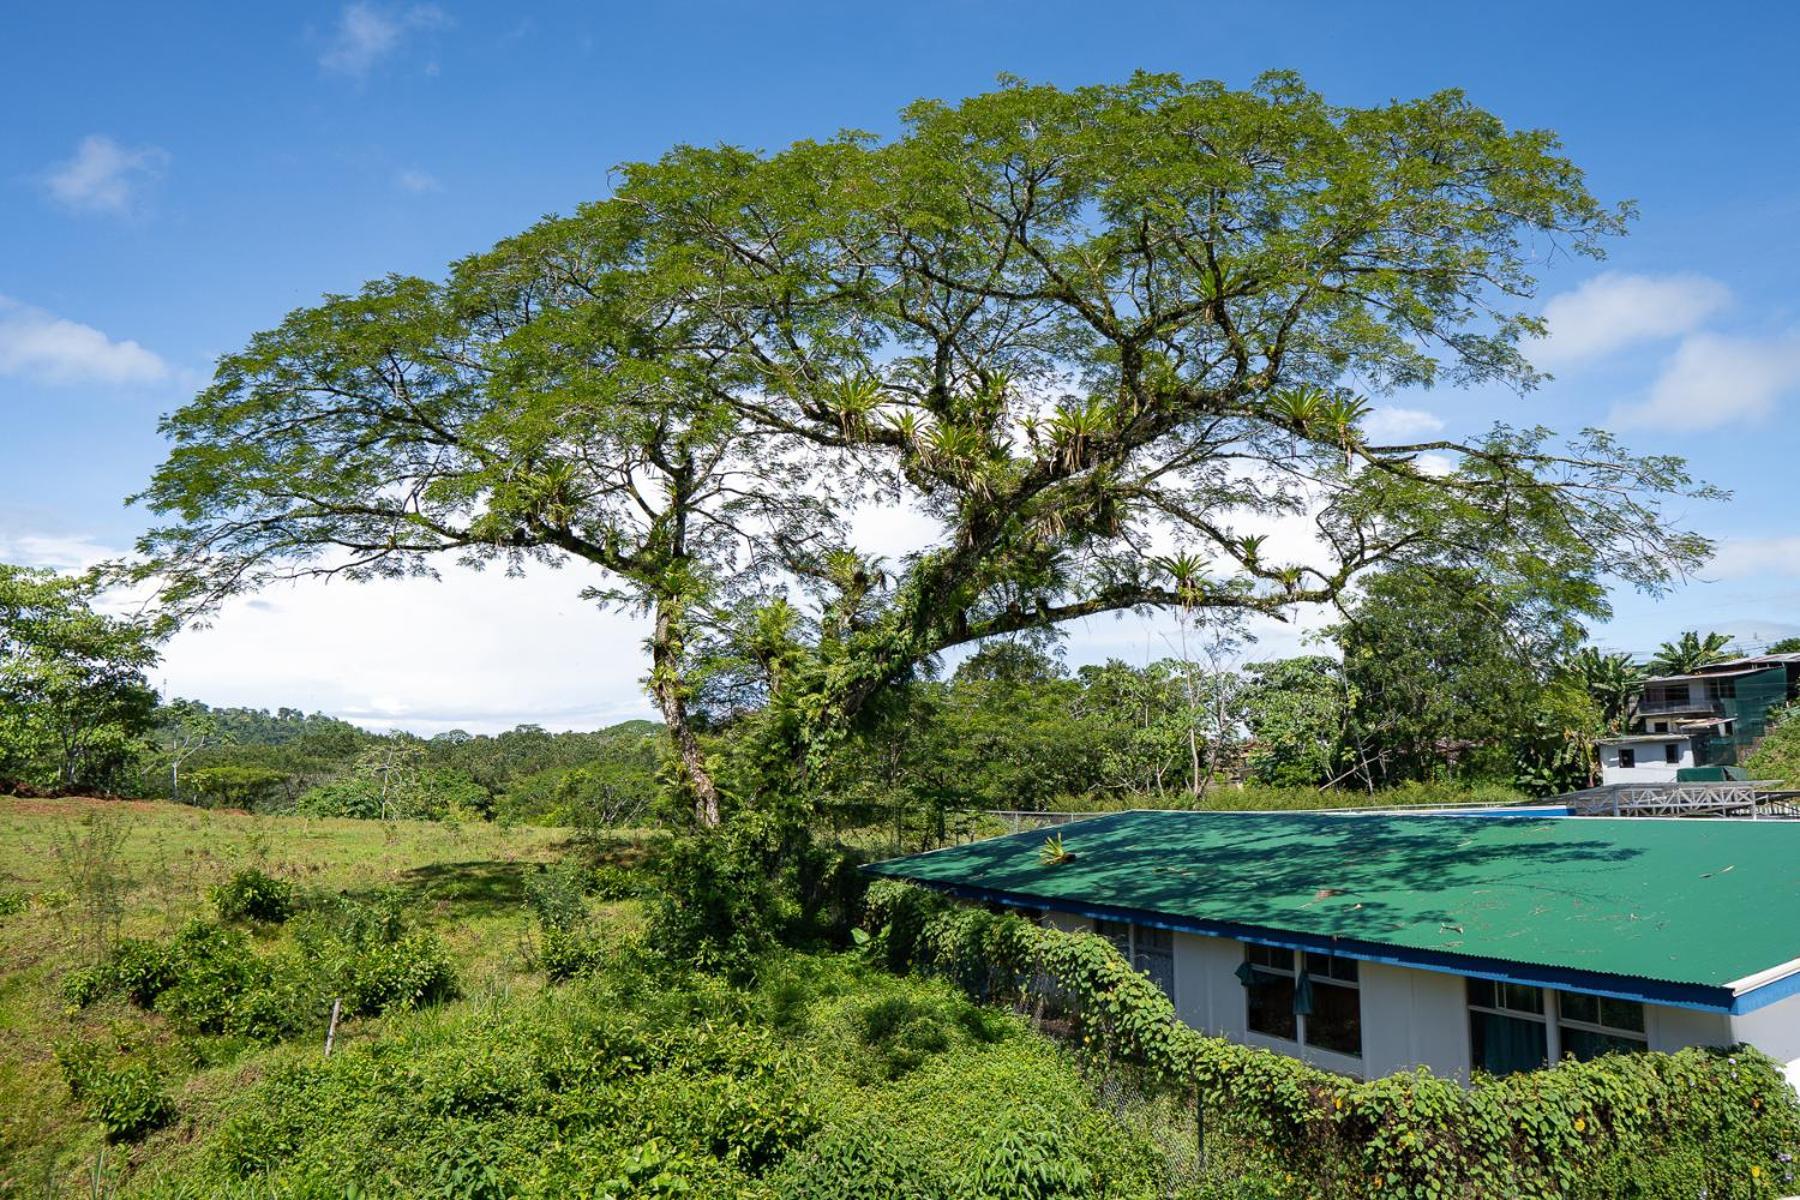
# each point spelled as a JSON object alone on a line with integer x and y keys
{"x": 1701, "y": 903}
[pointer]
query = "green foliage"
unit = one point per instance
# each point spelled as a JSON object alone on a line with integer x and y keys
{"x": 237, "y": 786}
{"x": 1689, "y": 652}
{"x": 1445, "y": 668}
{"x": 1297, "y": 710}
{"x": 633, "y": 1082}
{"x": 1777, "y": 756}
{"x": 74, "y": 701}
{"x": 127, "y": 1098}
{"x": 718, "y": 903}
{"x": 253, "y": 894}
{"x": 210, "y": 979}
{"x": 1542, "y": 1133}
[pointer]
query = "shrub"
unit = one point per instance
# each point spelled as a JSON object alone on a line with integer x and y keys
{"x": 139, "y": 969}
{"x": 717, "y": 906}
{"x": 13, "y": 902}
{"x": 127, "y": 1099}
{"x": 566, "y": 954}
{"x": 130, "y": 1102}
{"x": 221, "y": 985}
{"x": 408, "y": 973}
{"x": 253, "y": 895}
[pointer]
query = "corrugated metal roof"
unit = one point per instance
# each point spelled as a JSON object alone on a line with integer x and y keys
{"x": 1701, "y": 904}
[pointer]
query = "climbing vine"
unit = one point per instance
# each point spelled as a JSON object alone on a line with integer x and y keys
{"x": 1723, "y": 1121}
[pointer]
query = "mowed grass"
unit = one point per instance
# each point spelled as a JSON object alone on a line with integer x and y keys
{"x": 467, "y": 883}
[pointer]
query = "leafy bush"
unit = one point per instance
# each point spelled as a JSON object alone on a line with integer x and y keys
{"x": 251, "y": 894}
{"x": 127, "y": 1099}
{"x": 409, "y": 973}
{"x": 717, "y": 905}
{"x": 13, "y": 902}
{"x": 219, "y": 984}
{"x": 138, "y": 969}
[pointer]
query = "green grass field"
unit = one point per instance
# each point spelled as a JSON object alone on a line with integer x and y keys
{"x": 467, "y": 882}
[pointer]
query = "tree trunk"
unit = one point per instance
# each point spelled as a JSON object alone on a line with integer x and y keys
{"x": 670, "y": 690}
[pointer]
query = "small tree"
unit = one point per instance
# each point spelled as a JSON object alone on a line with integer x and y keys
{"x": 74, "y": 702}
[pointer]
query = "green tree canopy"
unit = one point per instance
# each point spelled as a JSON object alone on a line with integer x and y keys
{"x": 1069, "y": 325}
{"x": 74, "y": 702}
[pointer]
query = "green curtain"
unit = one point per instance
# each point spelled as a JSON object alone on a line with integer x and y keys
{"x": 1504, "y": 1045}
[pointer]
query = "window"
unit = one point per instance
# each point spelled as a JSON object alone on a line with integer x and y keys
{"x": 1721, "y": 689}
{"x": 1507, "y": 1029}
{"x": 1154, "y": 955}
{"x": 1314, "y": 999}
{"x": 1627, "y": 757}
{"x": 1596, "y": 1025}
{"x": 1118, "y": 933}
{"x": 1268, "y": 976}
{"x": 1671, "y": 752}
{"x": 1151, "y": 951}
{"x": 1334, "y": 1019}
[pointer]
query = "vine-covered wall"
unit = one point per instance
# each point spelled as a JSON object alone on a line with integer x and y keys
{"x": 1719, "y": 1123}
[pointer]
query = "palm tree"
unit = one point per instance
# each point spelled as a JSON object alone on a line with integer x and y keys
{"x": 1689, "y": 653}
{"x": 1611, "y": 679}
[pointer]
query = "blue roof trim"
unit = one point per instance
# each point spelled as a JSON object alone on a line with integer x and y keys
{"x": 1597, "y": 983}
{"x": 1767, "y": 994}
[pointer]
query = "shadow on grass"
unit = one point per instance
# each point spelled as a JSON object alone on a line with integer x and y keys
{"x": 480, "y": 888}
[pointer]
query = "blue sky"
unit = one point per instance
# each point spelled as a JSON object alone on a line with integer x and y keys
{"x": 174, "y": 178}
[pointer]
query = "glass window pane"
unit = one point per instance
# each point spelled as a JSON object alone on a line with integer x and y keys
{"x": 1151, "y": 938}
{"x": 1585, "y": 1044}
{"x": 1271, "y": 1000}
{"x": 1335, "y": 1022}
{"x": 1271, "y": 956}
{"x": 1521, "y": 997}
{"x": 1576, "y": 1007}
{"x": 1622, "y": 1014}
{"x": 1330, "y": 966}
{"x": 1481, "y": 993}
{"x": 1502, "y": 1045}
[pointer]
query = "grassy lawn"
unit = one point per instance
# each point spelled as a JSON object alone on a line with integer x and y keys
{"x": 87, "y": 870}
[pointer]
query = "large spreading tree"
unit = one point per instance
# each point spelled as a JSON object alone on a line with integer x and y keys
{"x": 1102, "y": 336}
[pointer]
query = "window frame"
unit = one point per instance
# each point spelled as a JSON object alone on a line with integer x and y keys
{"x": 1672, "y": 753}
{"x": 1129, "y": 950}
{"x": 1627, "y": 758}
{"x": 1302, "y": 966}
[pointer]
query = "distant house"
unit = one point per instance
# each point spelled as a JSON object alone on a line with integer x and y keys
{"x": 1711, "y": 718}
{"x": 1368, "y": 944}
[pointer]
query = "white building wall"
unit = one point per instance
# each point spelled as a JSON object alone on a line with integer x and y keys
{"x": 1671, "y": 1029}
{"x": 1208, "y": 995}
{"x": 1775, "y": 1030}
{"x": 1414, "y": 1018}
{"x": 1652, "y": 762}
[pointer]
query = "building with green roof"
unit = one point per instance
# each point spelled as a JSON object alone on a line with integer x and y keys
{"x": 1371, "y": 943}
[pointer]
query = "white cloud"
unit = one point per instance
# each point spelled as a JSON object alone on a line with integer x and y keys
{"x": 413, "y": 180}
{"x": 105, "y": 177}
{"x": 367, "y": 34}
{"x": 1390, "y": 424}
{"x": 1715, "y": 379}
{"x": 1612, "y": 311}
{"x": 475, "y": 651}
{"x": 46, "y": 348}
{"x": 58, "y": 552}
{"x": 1756, "y": 557}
